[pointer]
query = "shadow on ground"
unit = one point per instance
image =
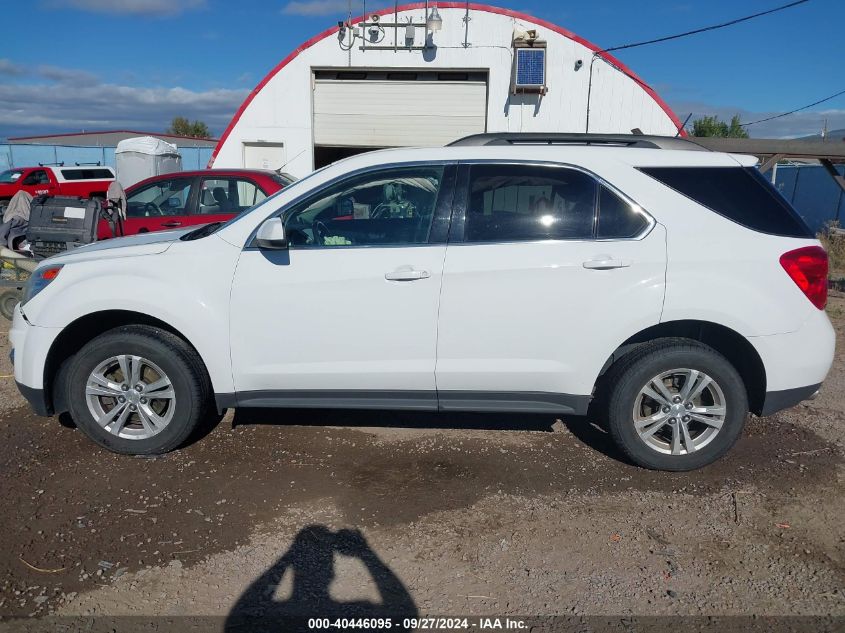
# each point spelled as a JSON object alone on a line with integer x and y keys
{"x": 587, "y": 428}
{"x": 310, "y": 565}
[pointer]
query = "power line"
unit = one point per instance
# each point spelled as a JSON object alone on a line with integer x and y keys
{"x": 777, "y": 116}
{"x": 706, "y": 28}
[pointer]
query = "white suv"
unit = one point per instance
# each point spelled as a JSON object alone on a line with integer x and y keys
{"x": 666, "y": 289}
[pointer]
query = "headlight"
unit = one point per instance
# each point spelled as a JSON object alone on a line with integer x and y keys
{"x": 39, "y": 280}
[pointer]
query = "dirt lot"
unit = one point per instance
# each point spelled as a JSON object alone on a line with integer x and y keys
{"x": 457, "y": 514}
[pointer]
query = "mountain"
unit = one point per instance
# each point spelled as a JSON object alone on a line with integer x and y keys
{"x": 832, "y": 135}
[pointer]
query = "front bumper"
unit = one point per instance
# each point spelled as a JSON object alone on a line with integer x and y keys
{"x": 30, "y": 347}
{"x": 36, "y": 398}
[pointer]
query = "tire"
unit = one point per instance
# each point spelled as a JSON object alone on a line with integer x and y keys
{"x": 8, "y": 301}
{"x": 172, "y": 398}
{"x": 666, "y": 437}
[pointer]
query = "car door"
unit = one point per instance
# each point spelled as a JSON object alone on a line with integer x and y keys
{"x": 222, "y": 197}
{"x": 347, "y": 316}
{"x": 160, "y": 206}
{"x": 38, "y": 183}
{"x": 547, "y": 271}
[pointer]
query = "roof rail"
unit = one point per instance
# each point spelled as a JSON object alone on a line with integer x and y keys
{"x": 610, "y": 140}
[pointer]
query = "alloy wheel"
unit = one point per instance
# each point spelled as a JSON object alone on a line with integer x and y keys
{"x": 679, "y": 411}
{"x": 130, "y": 397}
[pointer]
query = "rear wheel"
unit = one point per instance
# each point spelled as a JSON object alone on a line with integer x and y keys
{"x": 676, "y": 405}
{"x": 137, "y": 390}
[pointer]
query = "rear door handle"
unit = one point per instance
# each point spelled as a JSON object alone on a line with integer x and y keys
{"x": 606, "y": 263}
{"x": 172, "y": 223}
{"x": 407, "y": 274}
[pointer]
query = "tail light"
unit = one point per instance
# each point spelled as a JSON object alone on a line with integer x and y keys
{"x": 808, "y": 269}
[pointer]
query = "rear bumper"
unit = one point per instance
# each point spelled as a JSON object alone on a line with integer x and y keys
{"x": 796, "y": 363}
{"x": 779, "y": 400}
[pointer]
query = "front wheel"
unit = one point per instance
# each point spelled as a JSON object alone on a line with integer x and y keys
{"x": 676, "y": 405}
{"x": 137, "y": 390}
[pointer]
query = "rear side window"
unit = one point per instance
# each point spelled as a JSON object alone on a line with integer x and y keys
{"x": 512, "y": 203}
{"x": 740, "y": 194}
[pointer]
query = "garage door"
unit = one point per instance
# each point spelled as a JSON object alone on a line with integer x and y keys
{"x": 397, "y": 113}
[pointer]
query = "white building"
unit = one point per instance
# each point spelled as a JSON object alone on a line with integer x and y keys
{"x": 395, "y": 79}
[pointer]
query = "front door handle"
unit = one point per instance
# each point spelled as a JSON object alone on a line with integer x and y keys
{"x": 171, "y": 224}
{"x": 606, "y": 263}
{"x": 407, "y": 274}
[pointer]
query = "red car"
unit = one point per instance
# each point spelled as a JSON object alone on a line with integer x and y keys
{"x": 83, "y": 181}
{"x": 187, "y": 198}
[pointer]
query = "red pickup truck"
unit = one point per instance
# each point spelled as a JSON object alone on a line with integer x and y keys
{"x": 84, "y": 181}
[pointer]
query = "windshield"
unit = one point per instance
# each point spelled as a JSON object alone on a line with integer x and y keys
{"x": 169, "y": 197}
{"x": 10, "y": 175}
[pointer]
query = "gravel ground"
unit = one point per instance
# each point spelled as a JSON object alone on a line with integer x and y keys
{"x": 285, "y": 511}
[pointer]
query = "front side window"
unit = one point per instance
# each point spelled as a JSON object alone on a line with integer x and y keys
{"x": 167, "y": 197}
{"x": 391, "y": 207}
{"x": 38, "y": 177}
{"x": 512, "y": 203}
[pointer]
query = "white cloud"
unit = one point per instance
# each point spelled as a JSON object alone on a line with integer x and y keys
{"x": 132, "y": 7}
{"x": 318, "y": 7}
{"x": 51, "y": 99}
{"x": 8, "y": 67}
{"x": 44, "y": 71}
{"x": 66, "y": 75}
{"x": 795, "y": 125}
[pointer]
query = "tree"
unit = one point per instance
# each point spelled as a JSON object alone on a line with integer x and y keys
{"x": 180, "y": 126}
{"x": 712, "y": 126}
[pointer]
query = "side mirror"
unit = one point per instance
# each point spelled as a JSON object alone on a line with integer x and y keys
{"x": 271, "y": 235}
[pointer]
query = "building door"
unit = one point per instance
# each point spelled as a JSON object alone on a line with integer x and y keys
{"x": 359, "y": 111}
{"x": 264, "y": 156}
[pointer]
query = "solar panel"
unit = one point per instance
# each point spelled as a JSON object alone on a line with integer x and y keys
{"x": 530, "y": 67}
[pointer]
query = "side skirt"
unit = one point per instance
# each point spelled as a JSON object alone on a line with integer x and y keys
{"x": 483, "y": 401}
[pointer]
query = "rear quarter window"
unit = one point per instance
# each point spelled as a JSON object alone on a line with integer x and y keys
{"x": 740, "y": 194}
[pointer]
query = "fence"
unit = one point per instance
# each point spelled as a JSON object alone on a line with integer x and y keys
{"x": 29, "y": 155}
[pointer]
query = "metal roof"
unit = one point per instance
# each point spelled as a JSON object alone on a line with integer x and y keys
{"x": 765, "y": 148}
{"x": 107, "y": 138}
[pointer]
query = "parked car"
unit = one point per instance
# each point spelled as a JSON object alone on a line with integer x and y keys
{"x": 664, "y": 291}
{"x": 84, "y": 181}
{"x": 189, "y": 198}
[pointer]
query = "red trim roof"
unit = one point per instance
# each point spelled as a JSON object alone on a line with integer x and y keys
{"x": 450, "y": 5}
{"x": 189, "y": 138}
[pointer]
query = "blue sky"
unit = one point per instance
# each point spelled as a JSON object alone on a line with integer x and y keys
{"x": 95, "y": 64}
